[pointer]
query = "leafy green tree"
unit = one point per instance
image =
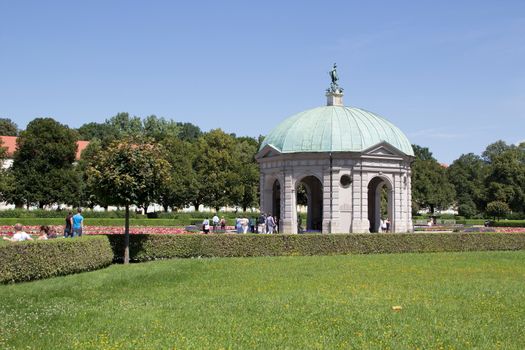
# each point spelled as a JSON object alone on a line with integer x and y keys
{"x": 213, "y": 165}
{"x": 8, "y": 127}
{"x": 495, "y": 149}
{"x": 43, "y": 164}
{"x": 244, "y": 180}
{"x": 183, "y": 184}
{"x": 467, "y": 174}
{"x": 125, "y": 125}
{"x": 129, "y": 171}
{"x": 506, "y": 179}
{"x": 189, "y": 132}
{"x": 6, "y": 178}
{"x": 101, "y": 131}
{"x": 160, "y": 128}
{"x": 497, "y": 209}
{"x": 422, "y": 153}
{"x": 431, "y": 188}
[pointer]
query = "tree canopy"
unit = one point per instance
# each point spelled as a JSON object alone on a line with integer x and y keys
{"x": 431, "y": 188}
{"x": 129, "y": 171}
{"x": 8, "y": 127}
{"x": 43, "y": 164}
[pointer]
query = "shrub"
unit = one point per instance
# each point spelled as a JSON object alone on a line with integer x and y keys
{"x": 508, "y": 223}
{"x": 91, "y": 222}
{"x": 152, "y": 247}
{"x": 27, "y": 261}
{"x": 40, "y": 213}
{"x": 497, "y": 209}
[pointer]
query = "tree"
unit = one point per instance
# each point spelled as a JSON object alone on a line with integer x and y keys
{"x": 431, "y": 188}
{"x": 189, "y": 132}
{"x": 422, "y": 153}
{"x": 101, "y": 131}
{"x": 467, "y": 174}
{"x": 506, "y": 179}
{"x": 43, "y": 164}
{"x": 213, "y": 165}
{"x": 495, "y": 149}
{"x": 8, "y": 127}
{"x": 160, "y": 128}
{"x": 125, "y": 125}
{"x": 129, "y": 171}
{"x": 244, "y": 179}
{"x": 497, "y": 209}
{"x": 183, "y": 184}
{"x": 6, "y": 178}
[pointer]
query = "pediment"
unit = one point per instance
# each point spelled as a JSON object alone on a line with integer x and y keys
{"x": 268, "y": 151}
{"x": 383, "y": 149}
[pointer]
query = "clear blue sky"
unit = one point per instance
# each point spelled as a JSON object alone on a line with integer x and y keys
{"x": 450, "y": 74}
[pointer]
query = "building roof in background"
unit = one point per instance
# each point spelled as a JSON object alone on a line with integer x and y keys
{"x": 10, "y": 143}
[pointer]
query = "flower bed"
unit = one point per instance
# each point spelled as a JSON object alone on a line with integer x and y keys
{"x": 112, "y": 230}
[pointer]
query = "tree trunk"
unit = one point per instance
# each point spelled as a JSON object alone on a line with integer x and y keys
{"x": 196, "y": 205}
{"x": 126, "y": 236}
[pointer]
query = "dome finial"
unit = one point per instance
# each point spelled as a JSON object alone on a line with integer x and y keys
{"x": 334, "y": 94}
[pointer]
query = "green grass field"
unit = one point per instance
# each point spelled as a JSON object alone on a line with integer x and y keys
{"x": 449, "y": 300}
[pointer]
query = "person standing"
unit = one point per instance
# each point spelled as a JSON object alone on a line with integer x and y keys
{"x": 262, "y": 223}
{"x": 215, "y": 221}
{"x": 19, "y": 235}
{"x": 223, "y": 224}
{"x": 206, "y": 226}
{"x": 270, "y": 224}
{"x": 68, "y": 230}
{"x": 387, "y": 223}
{"x": 78, "y": 223}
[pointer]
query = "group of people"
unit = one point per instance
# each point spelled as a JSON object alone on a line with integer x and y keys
{"x": 72, "y": 228}
{"x": 20, "y": 235}
{"x": 265, "y": 223}
{"x": 74, "y": 224}
{"x": 215, "y": 224}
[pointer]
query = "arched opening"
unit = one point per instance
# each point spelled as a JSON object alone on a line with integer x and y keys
{"x": 380, "y": 204}
{"x": 309, "y": 192}
{"x": 276, "y": 201}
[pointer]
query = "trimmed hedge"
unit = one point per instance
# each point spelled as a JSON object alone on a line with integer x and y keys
{"x": 108, "y": 221}
{"x": 89, "y": 222}
{"x": 32, "y": 260}
{"x": 152, "y": 247}
{"x": 508, "y": 223}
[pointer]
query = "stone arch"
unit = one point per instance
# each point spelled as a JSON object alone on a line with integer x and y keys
{"x": 271, "y": 193}
{"x": 375, "y": 188}
{"x": 314, "y": 194}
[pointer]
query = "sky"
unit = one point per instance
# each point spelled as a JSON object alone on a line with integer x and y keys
{"x": 449, "y": 74}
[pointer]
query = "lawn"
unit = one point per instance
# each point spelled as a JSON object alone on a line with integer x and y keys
{"x": 448, "y": 300}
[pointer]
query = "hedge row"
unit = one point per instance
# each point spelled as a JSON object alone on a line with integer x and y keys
{"x": 27, "y": 261}
{"x": 152, "y": 247}
{"x": 108, "y": 221}
{"x": 90, "y": 222}
{"x": 508, "y": 223}
{"x": 116, "y": 214}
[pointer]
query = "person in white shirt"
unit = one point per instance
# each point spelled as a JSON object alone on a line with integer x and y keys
{"x": 19, "y": 235}
{"x": 215, "y": 221}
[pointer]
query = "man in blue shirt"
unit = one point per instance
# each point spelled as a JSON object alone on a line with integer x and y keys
{"x": 78, "y": 223}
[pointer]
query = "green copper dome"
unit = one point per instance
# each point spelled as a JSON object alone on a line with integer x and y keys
{"x": 335, "y": 129}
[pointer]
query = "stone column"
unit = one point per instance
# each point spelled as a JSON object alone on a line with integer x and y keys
{"x": 360, "y": 223}
{"x": 288, "y": 220}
